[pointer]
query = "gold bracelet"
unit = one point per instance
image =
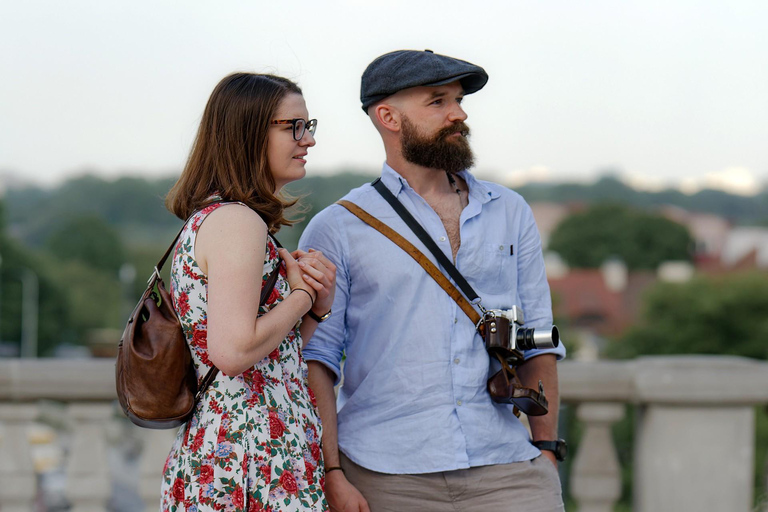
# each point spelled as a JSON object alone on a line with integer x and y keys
{"x": 305, "y": 291}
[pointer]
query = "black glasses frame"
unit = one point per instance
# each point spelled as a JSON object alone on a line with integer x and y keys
{"x": 299, "y": 124}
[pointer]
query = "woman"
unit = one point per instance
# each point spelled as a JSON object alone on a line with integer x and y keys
{"x": 253, "y": 441}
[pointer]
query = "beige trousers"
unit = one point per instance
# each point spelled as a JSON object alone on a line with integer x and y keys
{"x": 530, "y": 486}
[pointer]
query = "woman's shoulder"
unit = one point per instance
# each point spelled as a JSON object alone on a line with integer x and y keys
{"x": 233, "y": 216}
{"x": 231, "y": 224}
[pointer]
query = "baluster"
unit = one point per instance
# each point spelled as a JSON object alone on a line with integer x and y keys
{"x": 88, "y": 478}
{"x": 17, "y": 472}
{"x": 157, "y": 445}
{"x": 596, "y": 474}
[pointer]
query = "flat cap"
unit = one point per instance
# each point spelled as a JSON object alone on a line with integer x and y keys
{"x": 401, "y": 69}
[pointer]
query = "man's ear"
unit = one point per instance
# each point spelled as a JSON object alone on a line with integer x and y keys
{"x": 387, "y": 117}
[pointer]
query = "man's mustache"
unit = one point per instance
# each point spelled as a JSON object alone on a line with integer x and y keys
{"x": 450, "y": 130}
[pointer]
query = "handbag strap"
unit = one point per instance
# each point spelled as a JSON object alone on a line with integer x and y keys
{"x": 417, "y": 255}
{"x": 420, "y": 232}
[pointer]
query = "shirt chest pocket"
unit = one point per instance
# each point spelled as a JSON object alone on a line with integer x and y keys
{"x": 491, "y": 268}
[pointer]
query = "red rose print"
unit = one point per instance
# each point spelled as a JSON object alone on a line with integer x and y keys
{"x": 315, "y": 451}
{"x": 257, "y": 384}
{"x": 255, "y": 505}
{"x": 309, "y": 472}
{"x": 275, "y": 354}
{"x": 273, "y": 296}
{"x": 312, "y": 396}
{"x": 200, "y": 337}
{"x": 206, "y": 474}
{"x": 267, "y": 472}
{"x": 183, "y": 304}
{"x": 178, "y": 490}
{"x": 237, "y": 497}
{"x": 288, "y": 482}
{"x": 197, "y": 442}
{"x": 276, "y": 426}
{"x": 215, "y": 407}
{"x": 187, "y": 270}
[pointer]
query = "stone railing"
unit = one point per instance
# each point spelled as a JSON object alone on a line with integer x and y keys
{"x": 694, "y": 444}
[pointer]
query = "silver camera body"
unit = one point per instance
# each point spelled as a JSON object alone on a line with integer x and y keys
{"x": 519, "y": 337}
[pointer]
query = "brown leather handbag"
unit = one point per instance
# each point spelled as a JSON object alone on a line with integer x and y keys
{"x": 156, "y": 381}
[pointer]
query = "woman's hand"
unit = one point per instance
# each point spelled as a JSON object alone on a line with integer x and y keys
{"x": 295, "y": 275}
{"x": 320, "y": 274}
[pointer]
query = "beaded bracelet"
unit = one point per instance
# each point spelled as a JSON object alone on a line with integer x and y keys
{"x": 305, "y": 291}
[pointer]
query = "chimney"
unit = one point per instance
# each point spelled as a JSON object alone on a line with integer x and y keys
{"x": 615, "y": 274}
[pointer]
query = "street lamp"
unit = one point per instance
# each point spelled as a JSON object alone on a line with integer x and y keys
{"x": 30, "y": 290}
{"x": 1, "y": 298}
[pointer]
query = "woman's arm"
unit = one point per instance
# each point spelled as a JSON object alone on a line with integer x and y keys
{"x": 230, "y": 248}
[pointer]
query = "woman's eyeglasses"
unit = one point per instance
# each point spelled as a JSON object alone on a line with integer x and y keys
{"x": 299, "y": 126}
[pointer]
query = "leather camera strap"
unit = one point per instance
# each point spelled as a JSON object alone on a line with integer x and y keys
{"x": 430, "y": 244}
{"x": 417, "y": 255}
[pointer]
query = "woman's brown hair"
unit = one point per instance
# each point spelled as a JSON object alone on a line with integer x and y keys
{"x": 229, "y": 155}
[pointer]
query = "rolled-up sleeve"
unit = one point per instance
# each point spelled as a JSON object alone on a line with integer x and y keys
{"x": 327, "y": 344}
{"x": 533, "y": 288}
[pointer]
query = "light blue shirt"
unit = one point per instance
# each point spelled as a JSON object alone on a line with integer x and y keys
{"x": 414, "y": 396}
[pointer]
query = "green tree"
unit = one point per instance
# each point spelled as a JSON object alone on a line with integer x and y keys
{"x": 708, "y": 315}
{"x": 53, "y": 312}
{"x": 642, "y": 240}
{"x": 89, "y": 240}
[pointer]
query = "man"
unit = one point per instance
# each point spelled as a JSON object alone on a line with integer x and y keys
{"x": 416, "y": 428}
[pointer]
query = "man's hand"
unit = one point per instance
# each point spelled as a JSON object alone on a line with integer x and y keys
{"x": 342, "y": 496}
{"x": 549, "y": 455}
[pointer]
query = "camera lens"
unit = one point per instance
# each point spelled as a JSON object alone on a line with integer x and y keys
{"x": 529, "y": 338}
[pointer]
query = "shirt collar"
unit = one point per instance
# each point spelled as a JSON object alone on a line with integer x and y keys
{"x": 477, "y": 189}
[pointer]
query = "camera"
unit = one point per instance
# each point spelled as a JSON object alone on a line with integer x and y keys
{"x": 505, "y": 334}
{"x": 506, "y": 339}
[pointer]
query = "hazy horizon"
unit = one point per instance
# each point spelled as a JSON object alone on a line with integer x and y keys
{"x": 668, "y": 94}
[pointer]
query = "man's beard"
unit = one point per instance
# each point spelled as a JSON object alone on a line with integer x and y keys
{"x": 437, "y": 152}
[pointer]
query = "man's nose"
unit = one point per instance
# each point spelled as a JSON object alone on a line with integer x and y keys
{"x": 457, "y": 114}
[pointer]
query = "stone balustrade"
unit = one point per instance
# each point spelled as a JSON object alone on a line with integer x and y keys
{"x": 694, "y": 435}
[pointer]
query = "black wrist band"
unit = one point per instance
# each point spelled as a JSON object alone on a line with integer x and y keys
{"x": 319, "y": 319}
{"x": 309, "y": 294}
{"x": 334, "y": 468}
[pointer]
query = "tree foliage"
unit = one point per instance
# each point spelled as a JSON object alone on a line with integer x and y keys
{"x": 742, "y": 210}
{"x": 90, "y": 240}
{"x": 53, "y": 310}
{"x": 642, "y": 240}
{"x": 708, "y": 315}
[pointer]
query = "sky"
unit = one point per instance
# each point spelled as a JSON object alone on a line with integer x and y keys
{"x": 659, "y": 93}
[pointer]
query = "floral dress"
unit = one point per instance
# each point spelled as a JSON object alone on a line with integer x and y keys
{"x": 253, "y": 443}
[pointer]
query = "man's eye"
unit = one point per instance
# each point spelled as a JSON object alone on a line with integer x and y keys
{"x": 437, "y": 102}
{"x": 459, "y": 100}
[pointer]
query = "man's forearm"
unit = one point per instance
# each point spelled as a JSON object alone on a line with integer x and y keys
{"x": 542, "y": 368}
{"x": 321, "y": 382}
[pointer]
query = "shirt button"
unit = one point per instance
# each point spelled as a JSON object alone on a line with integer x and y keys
{"x": 458, "y": 402}
{"x": 442, "y": 239}
{"x": 456, "y": 361}
{"x": 501, "y": 247}
{"x": 455, "y": 320}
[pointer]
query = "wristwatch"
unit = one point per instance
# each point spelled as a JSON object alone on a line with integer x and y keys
{"x": 319, "y": 319}
{"x": 559, "y": 448}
